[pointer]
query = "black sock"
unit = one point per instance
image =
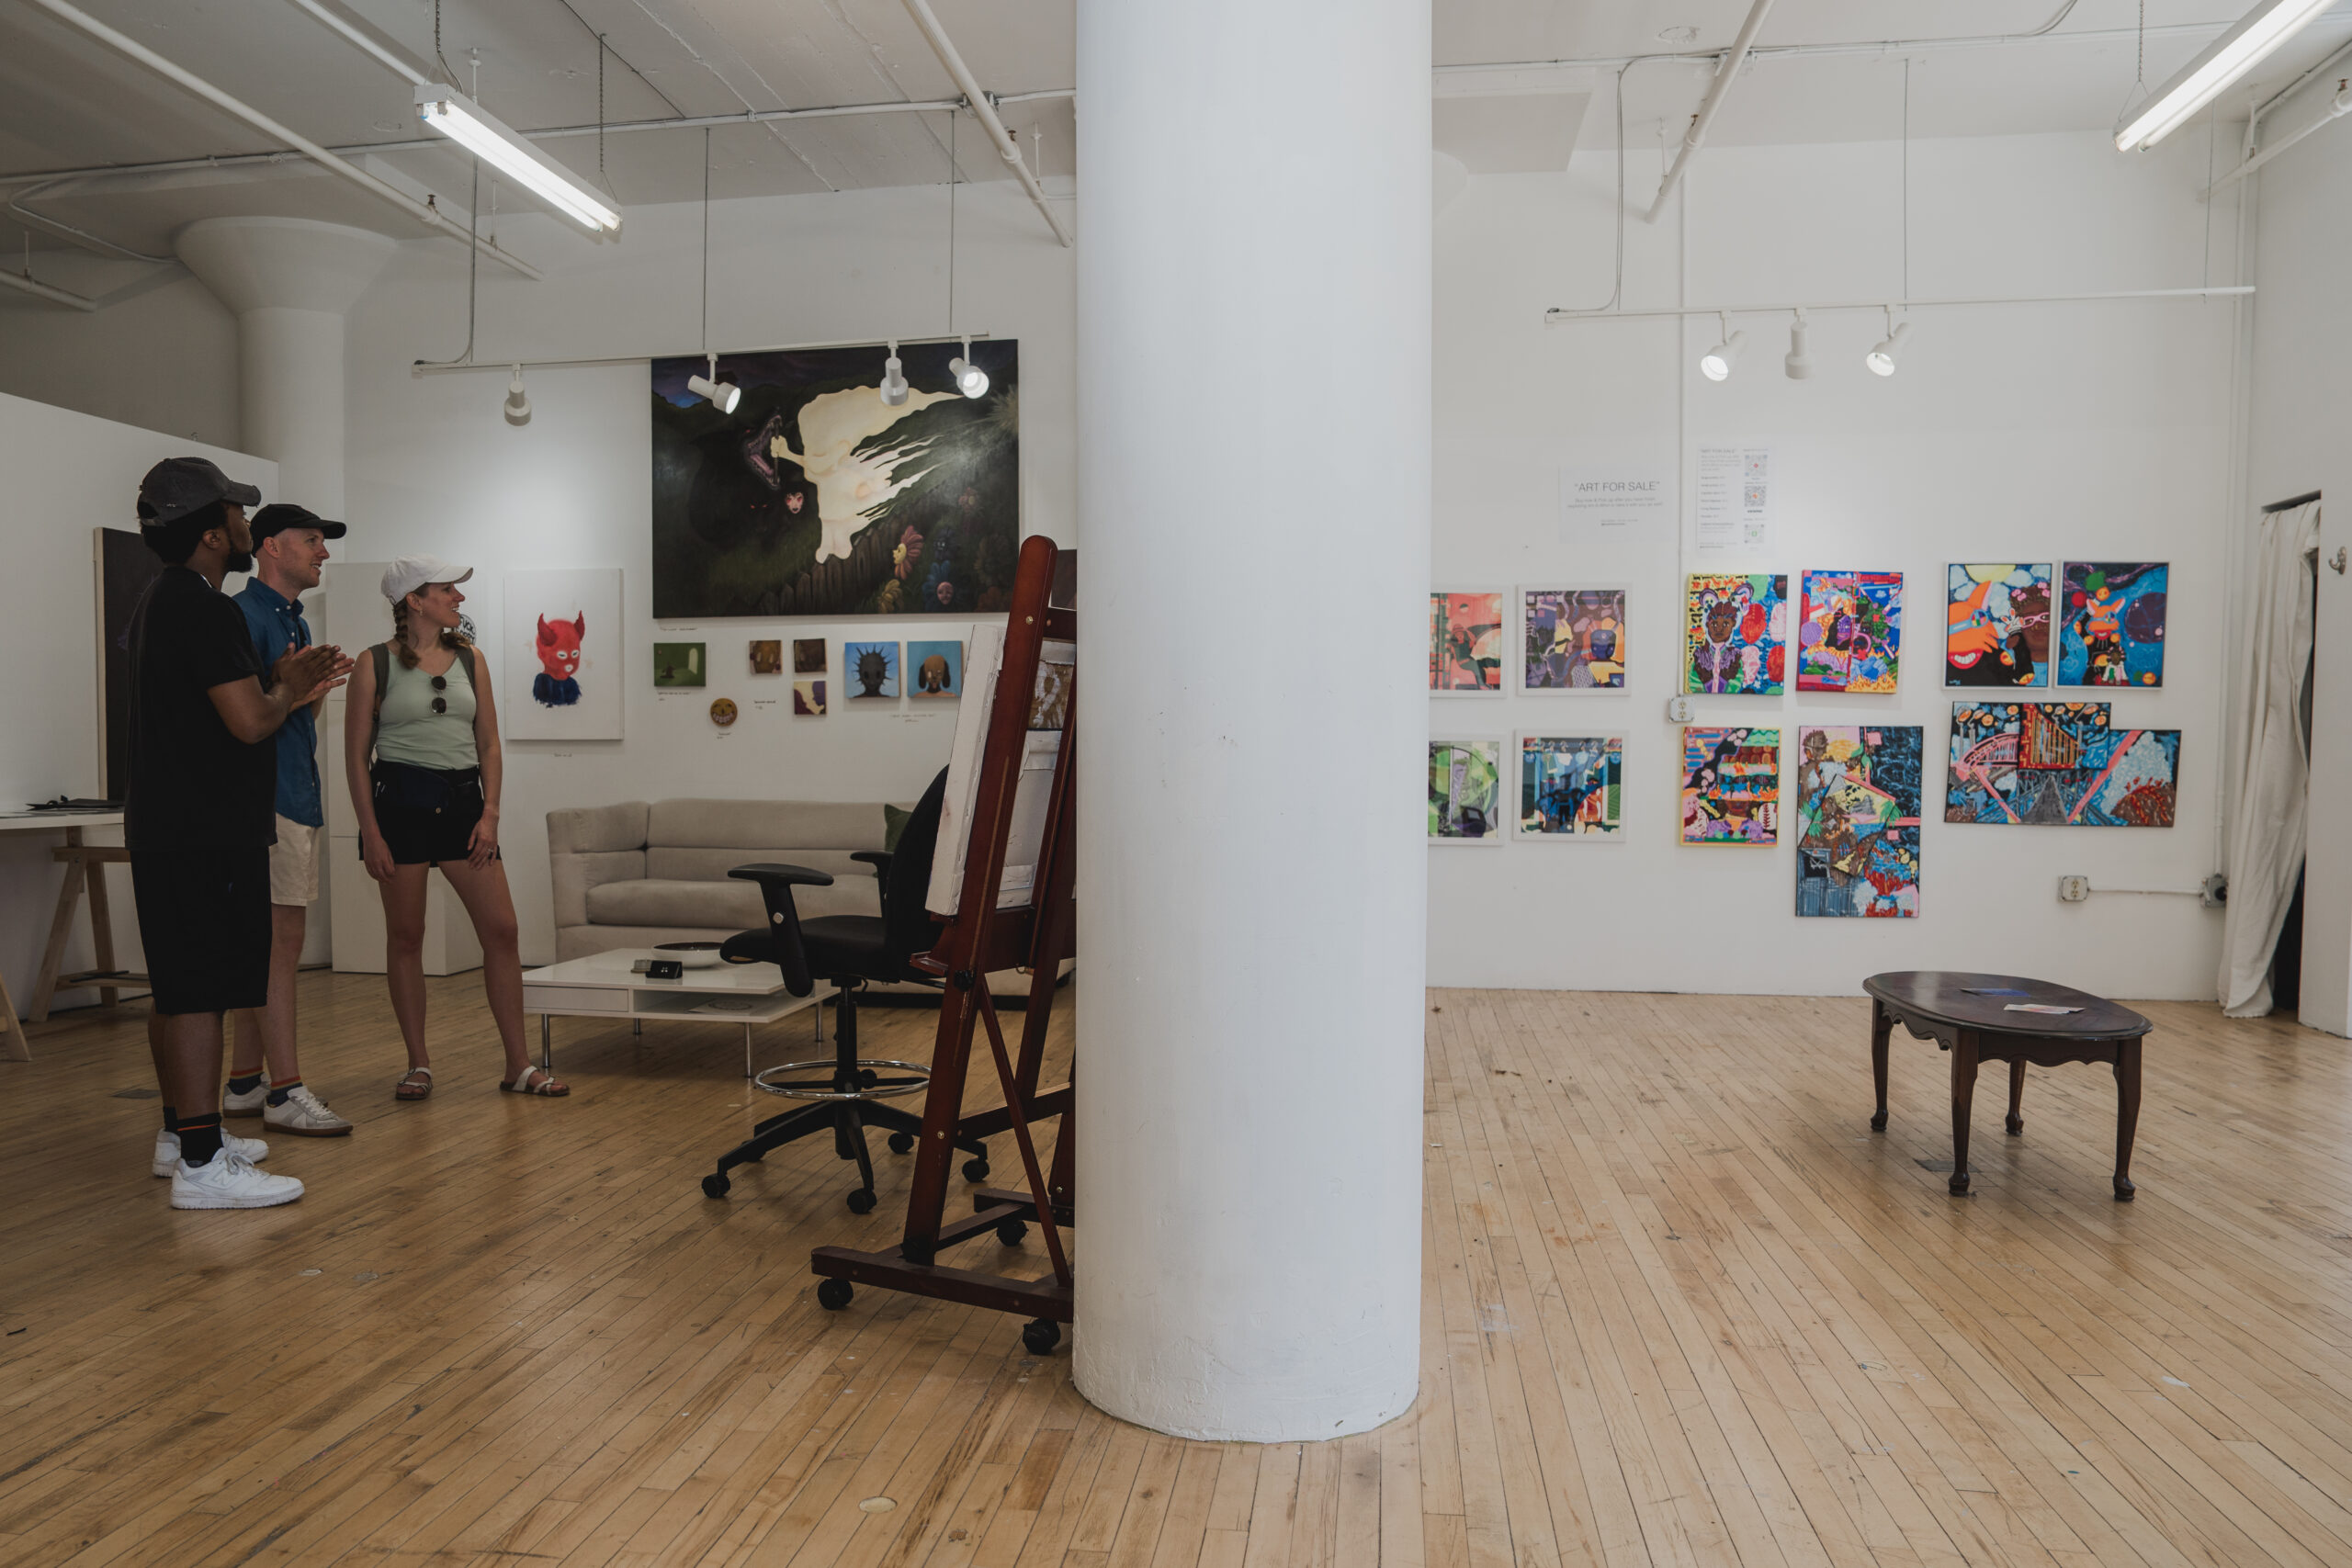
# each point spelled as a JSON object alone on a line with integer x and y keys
{"x": 244, "y": 1083}
{"x": 171, "y": 1123}
{"x": 200, "y": 1139}
{"x": 278, "y": 1092}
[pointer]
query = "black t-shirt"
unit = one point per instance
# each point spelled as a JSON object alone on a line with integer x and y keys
{"x": 194, "y": 785}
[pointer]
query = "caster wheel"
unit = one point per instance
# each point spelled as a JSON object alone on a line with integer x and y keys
{"x": 1878, "y": 1122}
{"x": 861, "y": 1201}
{"x": 715, "y": 1186}
{"x": 1010, "y": 1231}
{"x": 1041, "y": 1336}
{"x": 900, "y": 1143}
{"x": 2016, "y": 1125}
{"x": 868, "y": 1078}
{"x": 975, "y": 1169}
{"x": 834, "y": 1294}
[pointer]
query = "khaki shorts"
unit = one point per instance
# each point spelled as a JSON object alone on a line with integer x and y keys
{"x": 294, "y": 865}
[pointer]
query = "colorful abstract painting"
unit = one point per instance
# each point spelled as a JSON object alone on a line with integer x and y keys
{"x": 1731, "y": 785}
{"x": 1858, "y": 820}
{"x": 1998, "y": 625}
{"x": 1576, "y": 638}
{"x": 1849, "y": 633}
{"x": 2111, "y": 625}
{"x": 935, "y": 669}
{"x": 2059, "y": 764}
{"x": 1736, "y": 633}
{"x": 814, "y": 496}
{"x": 872, "y": 669}
{"x": 1570, "y": 786}
{"x": 1465, "y": 791}
{"x": 1466, "y": 642}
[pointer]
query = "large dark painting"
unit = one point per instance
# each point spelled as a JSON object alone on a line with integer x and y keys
{"x": 816, "y": 498}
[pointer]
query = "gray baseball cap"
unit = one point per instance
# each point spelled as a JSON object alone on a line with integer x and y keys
{"x": 177, "y": 486}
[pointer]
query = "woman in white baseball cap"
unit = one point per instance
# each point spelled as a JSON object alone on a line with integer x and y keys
{"x": 424, "y": 780}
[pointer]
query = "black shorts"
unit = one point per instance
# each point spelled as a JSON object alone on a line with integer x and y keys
{"x": 425, "y": 816}
{"x": 204, "y": 920}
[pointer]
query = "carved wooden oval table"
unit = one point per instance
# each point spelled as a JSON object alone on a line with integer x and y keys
{"x": 1971, "y": 1016}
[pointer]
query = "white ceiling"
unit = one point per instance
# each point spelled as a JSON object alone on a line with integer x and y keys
{"x": 67, "y": 102}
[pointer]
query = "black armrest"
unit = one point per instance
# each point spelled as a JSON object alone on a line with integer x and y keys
{"x": 880, "y": 861}
{"x": 776, "y": 882}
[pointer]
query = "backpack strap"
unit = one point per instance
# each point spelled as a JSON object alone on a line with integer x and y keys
{"x": 465, "y": 657}
{"x": 380, "y": 656}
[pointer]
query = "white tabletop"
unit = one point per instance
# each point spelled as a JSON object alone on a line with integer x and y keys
{"x": 613, "y": 969}
{"x": 46, "y": 821}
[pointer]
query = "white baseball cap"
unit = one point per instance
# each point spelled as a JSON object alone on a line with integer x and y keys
{"x": 409, "y": 573}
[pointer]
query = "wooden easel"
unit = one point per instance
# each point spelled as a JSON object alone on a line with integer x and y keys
{"x": 978, "y": 940}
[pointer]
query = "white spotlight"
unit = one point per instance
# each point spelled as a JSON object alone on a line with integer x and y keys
{"x": 894, "y": 379}
{"x": 463, "y": 121}
{"x": 2256, "y": 35}
{"x": 1799, "y": 364}
{"x": 1716, "y": 362}
{"x": 723, "y": 395}
{"x": 518, "y": 404}
{"x": 1881, "y": 359}
{"x": 970, "y": 380}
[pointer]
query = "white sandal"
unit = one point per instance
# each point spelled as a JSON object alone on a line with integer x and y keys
{"x": 538, "y": 1081}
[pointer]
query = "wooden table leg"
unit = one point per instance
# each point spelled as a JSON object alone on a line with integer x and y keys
{"x": 2127, "y": 1114}
{"x": 1963, "y": 1092}
{"x": 102, "y": 930}
{"x": 1881, "y": 1025}
{"x": 52, "y": 963}
{"x": 13, "y": 1046}
{"x": 2017, "y": 1096}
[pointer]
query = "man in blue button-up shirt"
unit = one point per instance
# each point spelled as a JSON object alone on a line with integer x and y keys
{"x": 289, "y": 547}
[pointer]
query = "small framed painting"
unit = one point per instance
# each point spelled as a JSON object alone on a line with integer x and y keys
{"x": 1467, "y": 635}
{"x": 1465, "y": 791}
{"x": 1571, "y": 787}
{"x": 872, "y": 669}
{"x": 1572, "y": 639}
{"x": 679, "y": 664}
{"x": 935, "y": 669}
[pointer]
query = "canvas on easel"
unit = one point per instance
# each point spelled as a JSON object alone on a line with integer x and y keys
{"x": 1002, "y": 879}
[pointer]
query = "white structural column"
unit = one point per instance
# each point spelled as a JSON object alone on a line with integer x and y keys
{"x": 1253, "y": 327}
{"x": 290, "y": 282}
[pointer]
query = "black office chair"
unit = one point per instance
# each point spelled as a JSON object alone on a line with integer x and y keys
{"x": 848, "y": 952}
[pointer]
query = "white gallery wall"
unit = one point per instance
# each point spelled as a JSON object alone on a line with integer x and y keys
{"x": 69, "y": 474}
{"x": 2040, "y": 432}
{"x": 431, "y": 466}
{"x": 2302, "y": 442}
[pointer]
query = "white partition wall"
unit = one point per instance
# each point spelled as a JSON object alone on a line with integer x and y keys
{"x": 1254, "y": 306}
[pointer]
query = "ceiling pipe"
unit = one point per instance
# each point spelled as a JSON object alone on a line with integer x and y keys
{"x": 72, "y": 235}
{"x": 369, "y": 39}
{"x": 1733, "y": 60}
{"x": 26, "y": 283}
{"x": 430, "y": 216}
{"x": 2206, "y": 291}
{"x": 2337, "y": 108}
{"x": 985, "y": 110}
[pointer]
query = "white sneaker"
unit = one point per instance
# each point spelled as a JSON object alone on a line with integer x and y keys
{"x": 252, "y": 1151}
{"x": 250, "y": 1103}
{"x": 305, "y": 1115}
{"x": 230, "y": 1181}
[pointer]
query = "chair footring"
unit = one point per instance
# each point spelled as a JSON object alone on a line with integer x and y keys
{"x": 871, "y": 1085}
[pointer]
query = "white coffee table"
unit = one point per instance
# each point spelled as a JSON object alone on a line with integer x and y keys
{"x": 605, "y": 985}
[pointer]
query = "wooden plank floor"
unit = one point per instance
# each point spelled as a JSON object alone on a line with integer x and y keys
{"x": 1681, "y": 1307}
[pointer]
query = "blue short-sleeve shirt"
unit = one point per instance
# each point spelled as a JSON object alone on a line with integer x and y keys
{"x": 277, "y": 625}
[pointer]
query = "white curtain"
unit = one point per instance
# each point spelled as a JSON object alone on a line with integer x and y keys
{"x": 2268, "y": 773}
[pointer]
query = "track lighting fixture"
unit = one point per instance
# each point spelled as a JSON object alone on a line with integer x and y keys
{"x": 894, "y": 379}
{"x": 463, "y": 121}
{"x": 970, "y": 380}
{"x": 1881, "y": 359}
{"x": 723, "y": 395}
{"x": 1799, "y": 364}
{"x": 1716, "y": 362}
{"x": 518, "y": 402}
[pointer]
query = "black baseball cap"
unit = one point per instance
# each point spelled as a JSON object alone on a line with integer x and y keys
{"x": 283, "y": 514}
{"x": 177, "y": 486}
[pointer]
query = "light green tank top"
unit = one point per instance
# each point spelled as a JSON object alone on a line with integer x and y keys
{"x": 408, "y": 731}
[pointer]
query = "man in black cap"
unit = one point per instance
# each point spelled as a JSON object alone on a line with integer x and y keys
{"x": 197, "y": 817}
{"x": 289, "y": 547}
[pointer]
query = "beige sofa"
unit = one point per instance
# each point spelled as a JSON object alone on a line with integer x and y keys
{"x": 636, "y": 873}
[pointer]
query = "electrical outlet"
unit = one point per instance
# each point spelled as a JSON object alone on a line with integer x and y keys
{"x": 2074, "y": 889}
{"x": 1680, "y": 710}
{"x": 2215, "y": 894}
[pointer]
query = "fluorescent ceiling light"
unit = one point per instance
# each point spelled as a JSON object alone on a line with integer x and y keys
{"x": 2257, "y": 34}
{"x": 462, "y": 120}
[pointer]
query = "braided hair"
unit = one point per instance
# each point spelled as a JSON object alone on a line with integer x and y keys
{"x": 401, "y": 649}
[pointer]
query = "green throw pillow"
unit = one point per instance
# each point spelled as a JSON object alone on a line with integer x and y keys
{"x": 894, "y": 823}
